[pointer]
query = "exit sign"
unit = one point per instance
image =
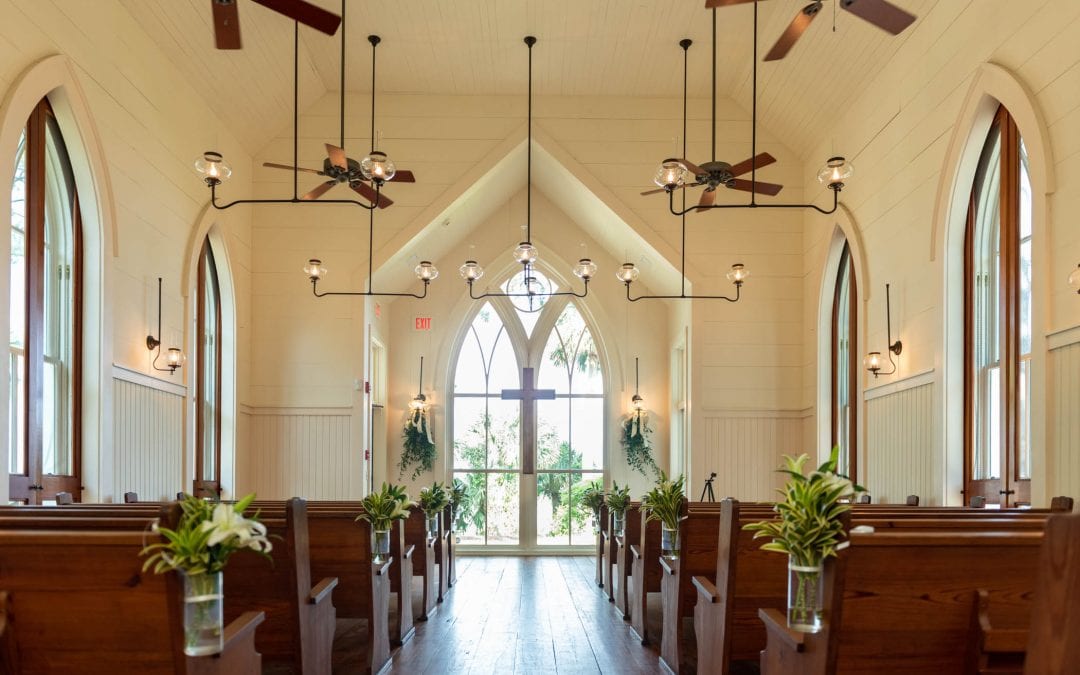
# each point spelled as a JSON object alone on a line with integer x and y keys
{"x": 422, "y": 323}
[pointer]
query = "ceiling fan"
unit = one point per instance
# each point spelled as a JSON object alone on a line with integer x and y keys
{"x": 881, "y": 13}
{"x": 715, "y": 174}
{"x": 227, "y": 18}
{"x": 376, "y": 168}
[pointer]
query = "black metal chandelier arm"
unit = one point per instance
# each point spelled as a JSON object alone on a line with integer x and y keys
{"x": 754, "y": 205}
{"x": 683, "y": 296}
{"x": 293, "y": 200}
{"x": 317, "y": 294}
{"x": 490, "y": 294}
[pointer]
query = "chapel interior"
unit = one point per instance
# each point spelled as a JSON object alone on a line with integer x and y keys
{"x": 540, "y": 256}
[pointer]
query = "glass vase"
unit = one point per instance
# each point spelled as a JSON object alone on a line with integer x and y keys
{"x": 619, "y": 524}
{"x": 203, "y": 620}
{"x": 382, "y": 546}
{"x": 595, "y": 524}
{"x": 806, "y": 591}
{"x": 433, "y": 526}
{"x": 669, "y": 542}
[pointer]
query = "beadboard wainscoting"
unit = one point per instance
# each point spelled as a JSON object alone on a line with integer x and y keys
{"x": 1063, "y": 417}
{"x": 745, "y": 448}
{"x": 300, "y": 452}
{"x": 899, "y": 455}
{"x": 148, "y": 436}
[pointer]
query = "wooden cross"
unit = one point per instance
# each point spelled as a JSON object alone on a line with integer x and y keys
{"x": 528, "y": 395}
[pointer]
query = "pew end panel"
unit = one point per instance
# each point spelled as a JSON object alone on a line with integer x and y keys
{"x": 787, "y": 651}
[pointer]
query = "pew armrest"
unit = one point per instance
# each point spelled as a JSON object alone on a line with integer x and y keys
{"x": 322, "y": 590}
{"x": 997, "y": 640}
{"x": 670, "y": 568}
{"x": 776, "y": 626}
{"x": 409, "y": 551}
{"x": 634, "y": 551}
{"x": 706, "y": 590}
{"x": 381, "y": 568}
{"x": 242, "y": 626}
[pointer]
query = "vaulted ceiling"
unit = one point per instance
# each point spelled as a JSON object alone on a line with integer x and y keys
{"x": 625, "y": 48}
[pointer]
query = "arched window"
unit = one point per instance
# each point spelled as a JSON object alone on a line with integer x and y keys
{"x": 45, "y": 333}
{"x": 545, "y": 348}
{"x": 997, "y": 326}
{"x": 845, "y": 364}
{"x": 208, "y": 378}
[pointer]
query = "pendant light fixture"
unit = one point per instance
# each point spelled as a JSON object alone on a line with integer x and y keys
{"x": 174, "y": 357}
{"x": 680, "y": 174}
{"x": 873, "y": 360}
{"x": 419, "y": 402}
{"x": 629, "y": 272}
{"x": 525, "y": 253}
{"x": 637, "y": 403}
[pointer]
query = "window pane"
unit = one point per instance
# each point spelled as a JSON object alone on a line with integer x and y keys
{"x": 1024, "y": 460}
{"x": 528, "y": 307}
{"x": 845, "y": 355}
{"x": 469, "y": 515}
{"x": 552, "y": 509}
{"x": 504, "y": 439}
{"x": 209, "y": 395}
{"x": 17, "y": 414}
{"x": 581, "y": 525}
{"x": 470, "y": 448}
{"x": 986, "y": 300}
{"x": 587, "y": 431}
{"x": 503, "y": 508}
{"x": 571, "y": 363}
{"x": 553, "y": 435}
{"x": 486, "y": 363}
{"x": 17, "y": 314}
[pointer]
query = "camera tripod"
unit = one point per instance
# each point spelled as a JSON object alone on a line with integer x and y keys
{"x": 707, "y": 490}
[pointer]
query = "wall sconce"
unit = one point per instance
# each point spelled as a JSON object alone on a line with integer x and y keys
{"x": 1074, "y": 279}
{"x": 419, "y": 402}
{"x": 873, "y": 360}
{"x": 174, "y": 358}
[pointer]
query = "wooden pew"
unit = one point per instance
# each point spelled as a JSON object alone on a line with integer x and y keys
{"x": 645, "y": 574}
{"x": 402, "y": 629}
{"x": 451, "y": 544}
{"x": 609, "y": 551}
{"x": 442, "y": 554}
{"x": 623, "y": 564}
{"x": 602, "y": 558}
{"x": 697, "y": 557}
{"x": 425, "y": 560}
{"x": 1053, "y": 646}
{"x": 901, "y": 602}
{"x": 300, "y": 618}
{"x": 77, "y": 601}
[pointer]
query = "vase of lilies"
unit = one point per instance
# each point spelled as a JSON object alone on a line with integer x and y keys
{"x": 381, "y": 509}
{"x": 433, "y": 501}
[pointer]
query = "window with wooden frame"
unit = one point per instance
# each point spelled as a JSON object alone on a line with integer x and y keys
{"x": 44, "y": 342}
{"x": 997, "y": 322}
{"x": 845, "y": 364}
{"x": 208, "y": 378}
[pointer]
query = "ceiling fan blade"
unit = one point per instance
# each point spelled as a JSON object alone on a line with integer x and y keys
{"x": 368, "y": 193}
{"x": 881, "y": 13}
{"x": 337, "y": 157}
{"x": 226, "y": 24}
{"x": 681, "y": 187}
{"x": 290, "y": 168}
{"x": 771, "y": 189}
{"x": 707, "y": 199}
{"x": 319, "y": 190}
{"x": 793, "y": 32}
{"x": 693, "y": 168}
{"x": 403, "y": 176}
{"x": 745, "y": 166}
{"x": 306, "y": 13}
{"x": 711, "y": 4}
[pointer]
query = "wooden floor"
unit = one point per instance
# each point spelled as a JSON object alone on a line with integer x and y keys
{"x": 525, "y": 615}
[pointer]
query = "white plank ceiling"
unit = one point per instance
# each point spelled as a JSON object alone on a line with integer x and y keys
{"x": 625, "y": 48}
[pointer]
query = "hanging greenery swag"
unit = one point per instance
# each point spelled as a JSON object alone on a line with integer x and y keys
{"x": 635, "y": 441}
{"x": 418, "y": 447}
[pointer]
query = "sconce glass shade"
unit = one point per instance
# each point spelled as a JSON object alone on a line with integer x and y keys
{"x": 314, "y": 269}
{"x": 378, "y": 167}
{"x": 525, "y": 253}
{"x": 425, "y": 271}
{"x": 419, "y": 402}
{"x": 213, "y": 167}
{"x": 471, "y": 270}
{"x": 585, "y": 269}
{"x": 627, "y": 273}
{"x": 671, "y": 174}
{"x": 175, "y": 358}
{"x": 1074, "y": 279}
{"x": 637, "y": 403}
{"x": 738, "y": 274}
{"x": 835, "y": 172}
{"x": 873, "y": 362}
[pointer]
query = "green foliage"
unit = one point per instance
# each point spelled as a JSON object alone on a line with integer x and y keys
{"x": 635, "y": 442}
{"x": 416, "y": 447}
{"x": 383, "y": 507}
{"x": 592, "y": 497}
{"x": 809, "y": 527}
{"x": 618, "y": 500}
{"x": 206, "y": 536}
{"x": 433, "y": 499}
{"x": 664, "y": 501}
{"x": 553, "y": 485}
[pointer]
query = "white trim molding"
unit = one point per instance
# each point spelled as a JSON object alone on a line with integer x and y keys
{"x": 136, "y": 377}
{"x": 909, "y": 382}
{"x": 1062, "y": 338}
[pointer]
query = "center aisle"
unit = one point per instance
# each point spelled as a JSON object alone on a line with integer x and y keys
{"x": 525, "y": 615}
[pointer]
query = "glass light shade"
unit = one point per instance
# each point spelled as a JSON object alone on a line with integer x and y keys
{"x": 671, "y": 174}
{"x": 627, "y": 273}
{"x": 873, "y": 361}
{"x": 418, "y": 403}
{"x": 738, "y": 274}
{"x": 836, "y": 171}
{"x": 525, "y": 253}
{"x": 377, "y": 166}
{"x": 1074, "y": 279}
{"x": 471, "y": 271}
{"x": 174, "y": 358}
{"x": 585, "y": 269}
{"x": 212, "y": 166}
{"x": 637, "y": 403}
{"x": 314, "y": 269}
{"x": 425, "y": 271}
